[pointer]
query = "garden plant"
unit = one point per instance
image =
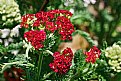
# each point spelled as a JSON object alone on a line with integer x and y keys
{"x": 37, "y": 40}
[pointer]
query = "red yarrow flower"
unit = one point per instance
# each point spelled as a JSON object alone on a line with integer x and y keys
{"x": 42, "y": 16}
{"x": 36, "y": 23}
{"x": 65, "y": 27}
{"x": 92, "y": 54}
{"x": 14, "y": 74}
{"x": 25, "y": 19}
{"x": 54, "y": 20}
{"x": 50, "y": 26}
{"x": 62, "y": 62}
{"x": 36, "y": 38}
{"x": 65, "y": 12}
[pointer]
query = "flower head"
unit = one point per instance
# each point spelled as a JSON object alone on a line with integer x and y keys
{"x": 36, "y": 38}
{"x": 113, "y": 53}
{"x": 92, "y": 54}
{"x": 51, "y": 20}
{"x": 65, "y": 27}
{"x": 36, "y": 23}
{"x": 51, "y": 26}
{"x": 64, "y": 12}
{"x": 26, "y": 20}
{"x": 62, "y": 62}
{"x": 54, "y": 20}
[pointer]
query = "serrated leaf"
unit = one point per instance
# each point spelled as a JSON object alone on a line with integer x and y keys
{"x": 85, "y": 70}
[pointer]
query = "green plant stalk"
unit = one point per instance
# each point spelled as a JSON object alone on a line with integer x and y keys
{"x": 28, "y": 75}
{"x": 47, "y": 76}
{"x": 102, "y": 34}
{"x": 27, "y": 50}
{"x": 39, "y": 66}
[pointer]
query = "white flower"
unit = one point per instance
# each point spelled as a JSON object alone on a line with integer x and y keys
{"x": 10, "y": 13}
{"x": 93, "y": 1}
{"x": 87, "y": 2}
{"x": 15, "y": 31}
{"x": 71, "y": 10}
{"x": 114, "y": 55}
{"x": 5, "y": 33}
{"x": 67, "y": 2}
{"x": 15, "y": 52}
{"x": 6, "y": 42}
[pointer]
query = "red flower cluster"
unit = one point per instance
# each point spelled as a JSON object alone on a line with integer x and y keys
{"x": 51, "y": 26}
{"x": 64, "y": 12}
{"x": 25, "y": 19}
{"x": 36, "y": 23}
{"x": 36, "y": 38}
{"x": 51, "y": 20}
{"x": 65, "y": 27}
{"x": 62, "y": 62}
{"x": 13, "y": 74}
{"x": 92, "y": 54}
{"x": 42, "y": 17}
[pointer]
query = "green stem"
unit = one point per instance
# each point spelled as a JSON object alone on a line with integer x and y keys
{"x": 39, "y": 66}
{"x": 27, "y": 50}
{"x": 28, "y": 75}
{"x": 47, "y": 76}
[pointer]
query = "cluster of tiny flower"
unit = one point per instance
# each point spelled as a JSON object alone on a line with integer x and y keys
{"x": 25, "y": 20}
{"x": 36, "y": 38}
{"x": 92, "y": 54}
{"x": 65, "y": 27}
{"x": 113, "y": 53}
{"x": 62, "y": 62}
{"x": 50, "y": 21}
